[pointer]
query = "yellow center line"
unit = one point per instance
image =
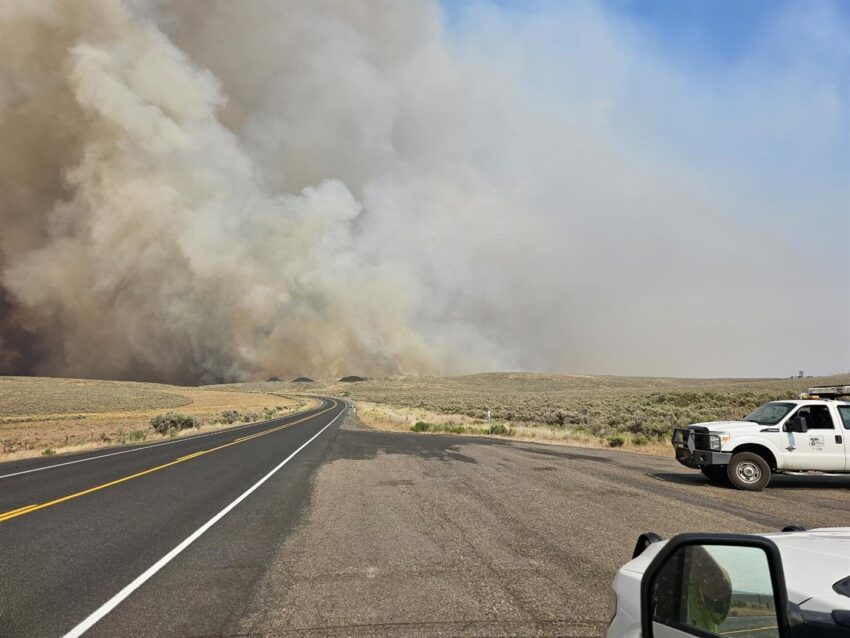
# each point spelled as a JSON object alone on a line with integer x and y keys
{"x": 5, "y": 516}
{"x": 191, "y": 456}
{"x": 20, "y": 510}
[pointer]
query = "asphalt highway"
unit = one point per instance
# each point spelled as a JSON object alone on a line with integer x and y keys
{"x": 420, "y": 535}
{"x": 314, "y": 526}
{"x": 77, "y": 530}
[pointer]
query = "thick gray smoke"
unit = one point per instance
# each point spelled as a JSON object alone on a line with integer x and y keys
{"x": 220, "y": 190}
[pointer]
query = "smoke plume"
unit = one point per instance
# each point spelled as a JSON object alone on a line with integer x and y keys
{"x": 199, "y": 191}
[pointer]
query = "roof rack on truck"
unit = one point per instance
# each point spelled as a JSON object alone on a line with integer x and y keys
{"x": 826, "y": 392}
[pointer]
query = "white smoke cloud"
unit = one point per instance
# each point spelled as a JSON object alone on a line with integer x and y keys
{"x": 198, "y": 191}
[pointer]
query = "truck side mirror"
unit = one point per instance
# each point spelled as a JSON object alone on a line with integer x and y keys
{"x": 797, "y": 423}
{"x": 715, "y": 585}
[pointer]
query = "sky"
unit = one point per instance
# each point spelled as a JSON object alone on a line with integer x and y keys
{"x": 201, "y": 192}
{"x": 733, "y": 52}
{"x": 702, "y": 33}
{"x": 748, "y": 100}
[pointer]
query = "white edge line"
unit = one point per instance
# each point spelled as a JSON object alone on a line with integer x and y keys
{"x": 118, "y": 598}
{"x": 148, "y": 446}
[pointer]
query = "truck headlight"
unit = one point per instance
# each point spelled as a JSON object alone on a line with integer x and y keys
{"x": 718, "y": 439}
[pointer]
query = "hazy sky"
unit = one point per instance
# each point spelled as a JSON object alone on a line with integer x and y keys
{"x": 202, "y": 191}
{"x": 749, "y": 102}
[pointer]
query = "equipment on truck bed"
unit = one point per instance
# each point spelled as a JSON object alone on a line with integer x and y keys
{"x": 826, "y": 392}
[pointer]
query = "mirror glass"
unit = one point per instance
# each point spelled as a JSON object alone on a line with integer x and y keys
{"x": 714, "y": 590}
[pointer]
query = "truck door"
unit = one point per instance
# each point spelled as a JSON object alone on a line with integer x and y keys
{"x": 844, "y": 417}
{"x": 822, "y": 447}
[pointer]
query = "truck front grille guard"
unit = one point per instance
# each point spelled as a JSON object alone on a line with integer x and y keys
{"x": 703, "y": 439}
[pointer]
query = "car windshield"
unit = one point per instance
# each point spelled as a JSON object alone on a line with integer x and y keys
{"x": 769, "y": 413}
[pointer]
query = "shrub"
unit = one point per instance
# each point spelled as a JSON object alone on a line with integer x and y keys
{"x": 162, "y": 423}
{"x": 230, "y": 416}
{"x": 501, "y": 428}
{"x": 640, "y": 440}
{"x": 616, "y": 441}
{"x": 136, "y": 435}
{"x": 657, "y": 429}
{"x": 49, "y": 452}
{"x": 451, "y": 428}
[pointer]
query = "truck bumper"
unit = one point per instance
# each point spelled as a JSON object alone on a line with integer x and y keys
{"x": 701, "y": 458}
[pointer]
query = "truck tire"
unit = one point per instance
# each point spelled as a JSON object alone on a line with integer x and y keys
{"x": 715, "y": 474}
{"x": 748, "y": 471}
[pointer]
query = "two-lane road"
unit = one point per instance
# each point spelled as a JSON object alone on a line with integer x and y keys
{"x": 80, "y": 534}
{"x": 361, "y": 533}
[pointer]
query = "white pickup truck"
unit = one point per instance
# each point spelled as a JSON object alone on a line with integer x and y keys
{"x": 800, "y": 435}
{"x": 790, "y": 584}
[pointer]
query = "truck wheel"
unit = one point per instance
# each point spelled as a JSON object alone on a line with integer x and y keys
{"x": 715, "y": 474}
{"x": 748, "y": 471}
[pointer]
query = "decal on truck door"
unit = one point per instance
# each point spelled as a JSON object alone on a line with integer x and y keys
{"x": 816, "y": 442}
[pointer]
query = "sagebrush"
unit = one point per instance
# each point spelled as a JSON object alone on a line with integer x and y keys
{"x": 163, "y": 423}
{"x": 637, "y": 407}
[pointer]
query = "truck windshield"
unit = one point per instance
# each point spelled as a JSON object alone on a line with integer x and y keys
{"x": 769, "y": 413}
{"x": 844, "y": 411}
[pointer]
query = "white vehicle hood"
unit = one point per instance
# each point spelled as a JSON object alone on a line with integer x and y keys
{"x": 731, "y": 426}
{"x": 814, "y": 561}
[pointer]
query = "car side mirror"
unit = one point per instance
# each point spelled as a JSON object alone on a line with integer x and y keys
{"x": 715, "y": 585}
{"x": 796, "y": 423}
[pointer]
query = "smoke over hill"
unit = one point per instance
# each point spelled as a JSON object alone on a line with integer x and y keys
{"x": 219, "y": 190}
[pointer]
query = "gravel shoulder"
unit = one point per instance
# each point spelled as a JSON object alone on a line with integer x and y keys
{"x": 425, "y": 535}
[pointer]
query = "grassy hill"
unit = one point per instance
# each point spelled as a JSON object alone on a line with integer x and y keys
{"x": 40, "y": 415}
{"x": 45, "y": 415}
{"x": 574, "y": 408}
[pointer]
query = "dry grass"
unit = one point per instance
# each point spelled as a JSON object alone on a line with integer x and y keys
{"x": 65, "y": 415}
{"x": 401, "y": 419}
{"x": 27, "y": 396}
{"x": 38, "y": 414}
{"x": 571, "y": 409}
